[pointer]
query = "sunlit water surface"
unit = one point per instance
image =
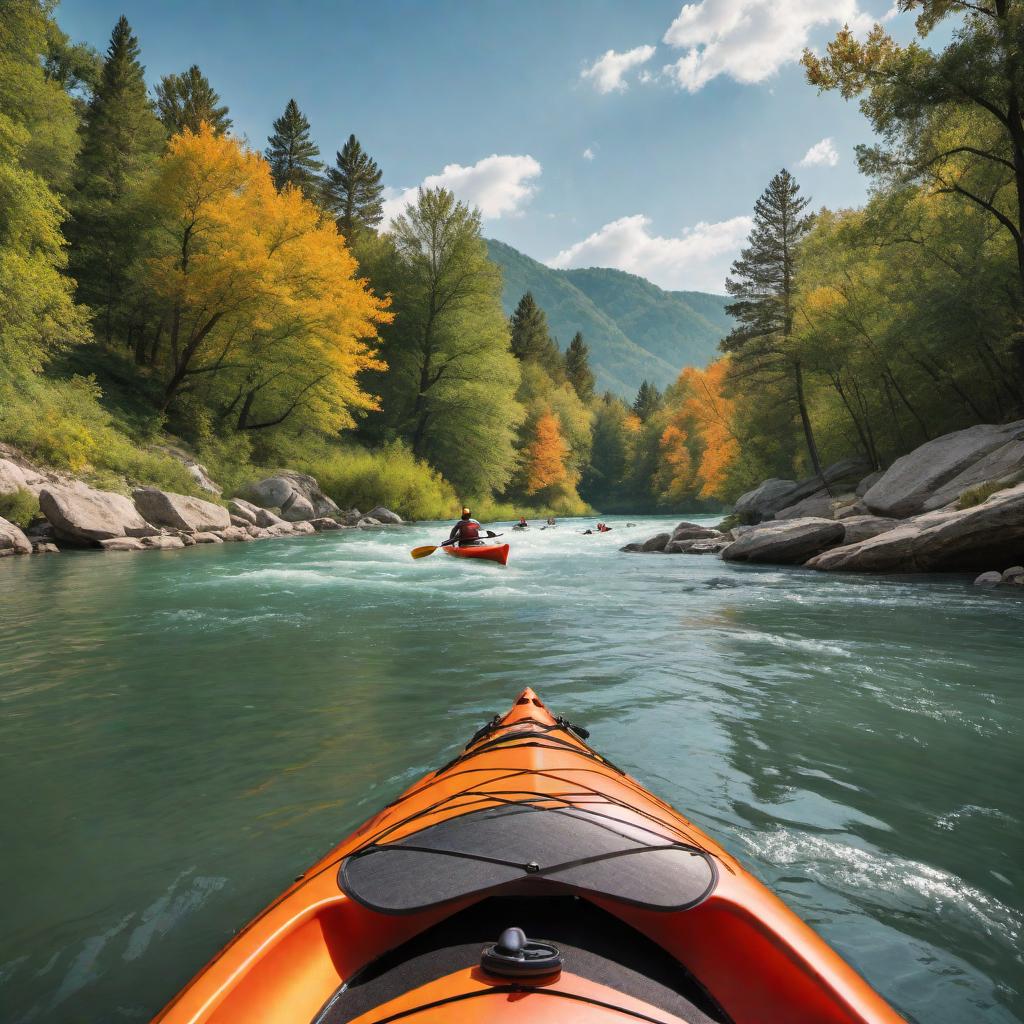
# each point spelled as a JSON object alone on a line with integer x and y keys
{"x": 181, "y": 733}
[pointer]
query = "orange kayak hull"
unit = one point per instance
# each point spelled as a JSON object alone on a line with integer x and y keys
{"x": 390, "y": 924}
{"x": 489, "y": 552}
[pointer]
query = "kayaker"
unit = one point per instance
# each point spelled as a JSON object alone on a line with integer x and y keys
{"x": 466, "y": 531}
{"x": 522, "y": 524}
{"x": 603, "y": 528}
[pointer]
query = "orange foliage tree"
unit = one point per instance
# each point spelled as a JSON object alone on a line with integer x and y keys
{"x": 257, "y": 298}
{"x": 546, "y": 456}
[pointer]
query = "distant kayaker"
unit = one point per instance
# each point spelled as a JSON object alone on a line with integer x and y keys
{"x": 603, "y": 528}
{"x": 522, "y": 524}
{"x": 551, "y": 521}
{"x": 466, "y": 531}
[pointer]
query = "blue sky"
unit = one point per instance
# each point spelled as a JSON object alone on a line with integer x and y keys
{"x": 629, "y": 133}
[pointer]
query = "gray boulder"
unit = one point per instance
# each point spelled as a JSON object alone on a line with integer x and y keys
{"x": 12, "y": 478}
{"x": 287, "y": 488}
{"x": 303, "y": 528}
{"x": 244, "y": 510}
{"x": 123, "y": 544}
{"x": 165, "y": 542}
{"x": 693, "y": 531}
{"x": 165, "y": 508}
{"x": 633, "y": 547}
{"x": 868, "y": 482}
{"x": 385, "y": 515}
{"x": 1004, "y": 463}
{"x": 83, "y": 515}
{"x": 42, "y": 547}
{"x": 656, "y": 543}
{"x": 788, "y": 542}
{"x": 775, "y": 495}
{"x": 1015, "y": 572}
{"x": 208, "y": 537}
{"x": 234, "y": 534}
{"x": 241, "y": 521}
{"x": 858, "y": 528}
{"x": 350, "y": 517}
{"x": 918, "y": 479}
{"x": 817, "y": 505}
{"x": 989, "y": 579}
{"x": 325, "y": 524}
{"x": 12, "y": 540}
{"x": 367, "y": 522}
{"x": 947, "y": 540}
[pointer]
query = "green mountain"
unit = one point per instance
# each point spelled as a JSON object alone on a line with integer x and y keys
{"x": 636, "y": 331}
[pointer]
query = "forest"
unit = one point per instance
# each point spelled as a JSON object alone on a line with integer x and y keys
{"x": 162, "y": 283}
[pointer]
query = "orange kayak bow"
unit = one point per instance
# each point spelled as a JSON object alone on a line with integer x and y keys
{"x": 527, "y": 880}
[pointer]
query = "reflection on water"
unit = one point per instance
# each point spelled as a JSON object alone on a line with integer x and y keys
{"x": 182, "y": 732}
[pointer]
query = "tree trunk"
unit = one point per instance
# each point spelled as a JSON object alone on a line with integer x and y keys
{"x": 805, "y": 419}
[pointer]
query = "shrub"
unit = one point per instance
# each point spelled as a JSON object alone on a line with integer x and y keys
{"x": 19, "y": 507}
{"x": 977, "y": 495}
{"x": 61, "y": 423}
{"x": 390, "y": 476}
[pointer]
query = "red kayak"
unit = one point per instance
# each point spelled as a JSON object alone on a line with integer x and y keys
{"x": 491, "y": 552}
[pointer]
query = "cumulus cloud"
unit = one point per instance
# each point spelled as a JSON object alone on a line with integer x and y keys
{"x": 588, "y": 153}
{"x": 499, "y": 185}
{"x": 608, "y": 72}
{"x": 749, "y": 40}
{"x": 821, "y": 154}
{"x": 698, "y": 258}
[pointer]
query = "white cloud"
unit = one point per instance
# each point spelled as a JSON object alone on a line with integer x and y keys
{"x": 608, "y": 72}
{"x": 821, "y": 154}
{"x": 749, "y": 40}
{"x": 698, "y": 258}
{"x": 499, "y": 185}
{"x": 588, "y": 153}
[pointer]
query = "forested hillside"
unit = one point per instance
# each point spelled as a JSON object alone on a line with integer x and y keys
{"x": 636, "y": 331}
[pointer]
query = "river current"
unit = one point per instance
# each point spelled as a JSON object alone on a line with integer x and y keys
{"x": 183, "y": 732}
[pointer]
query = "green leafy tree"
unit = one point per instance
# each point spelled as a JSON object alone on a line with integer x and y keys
{"x": 187, "y": 101}
{"x": 352, "y": 190}
{"x": 647, "y": 402}
{"x": 293, "y": 156}
{"x": 531, "y": 340}
{"x": 953, "y": 119}
{"x": 603, "y": 479}
{"x": 577, "y": 368}
{"x": 763, "y": 284}
{"x": 121, "y": 137}
{"x": 451, "y": 386}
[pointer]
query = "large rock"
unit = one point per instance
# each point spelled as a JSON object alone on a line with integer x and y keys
{"x": 858, "y": 528}
{"x": 868, "y": 482}
{"x": 656, "y": 543}
{"x": 385, "y": 515}
{"x": 12, "y": 540}
{"x": 971, "y": 538}
{"x": 283, "y": 490}
{"x": 122, "y": 544}
{"x": 693, "y": 531}
{"x": 165, "y": 542}
{"x": 787, "y": 542}
{"x": 179, "y": 511}
{"x": 325, "y": 524}
{"x": 12, "y": 478}
{"x": 817, "y": 505}
{"x": 1005, "y": 461}
{"x": 80, "y": 514}
{"x": 920, "y": 478}
{"x": 775, "y": 495}
{"x": 244, "y": 510}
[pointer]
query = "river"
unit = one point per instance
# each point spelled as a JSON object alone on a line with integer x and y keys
{"x": 183, "y": 732}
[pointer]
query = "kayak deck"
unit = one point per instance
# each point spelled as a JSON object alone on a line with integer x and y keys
{"x": 528, "y": 828}
{"x": 488, "y": 552}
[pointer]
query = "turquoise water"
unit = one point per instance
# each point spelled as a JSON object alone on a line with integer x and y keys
{"x": 183, "y": 732}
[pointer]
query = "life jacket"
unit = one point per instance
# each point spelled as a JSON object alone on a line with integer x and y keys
{"x": 469, "y": 531}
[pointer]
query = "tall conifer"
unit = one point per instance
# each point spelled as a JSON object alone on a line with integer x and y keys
{"x": 293, "y": 156}
{"x": 577, "y": 367}
{"x": 187, "y": 101}
{"x": 352, "y": 190}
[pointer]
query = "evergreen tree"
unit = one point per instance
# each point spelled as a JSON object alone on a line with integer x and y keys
{"x": 647, "y": 402}
{"x": 531, "y": 341}
{"x": 120, "y": 139}
{"x": 577, "y": 367}
{"x": 352, "y": 190}
{"x": 293, "y": 155}
{"x": 187, "y": 100}
{"x": 763, "y": 283}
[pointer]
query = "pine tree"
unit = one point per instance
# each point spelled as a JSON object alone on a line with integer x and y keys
{"x": 531, "y": 341}
{"x": 121, "y": 137}
{"x": 352, "y": 190}
{"x": 763, "y": 283}
{"x": 577, "y": 368}
{"x": 647, "y": 402}
{"x": 293, "y": 155}
{"x": 187, "y": 100}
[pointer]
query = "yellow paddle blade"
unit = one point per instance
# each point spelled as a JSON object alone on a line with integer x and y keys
{"x": 427, "y": 549}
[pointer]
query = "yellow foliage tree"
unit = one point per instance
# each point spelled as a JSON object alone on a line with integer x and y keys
{"x": 259, "y": 306}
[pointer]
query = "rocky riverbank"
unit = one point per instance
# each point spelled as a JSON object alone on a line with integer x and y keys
{"x": 74, "y": 515}
{"x": 955, "y": 503}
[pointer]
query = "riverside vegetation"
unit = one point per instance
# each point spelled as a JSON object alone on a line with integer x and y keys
{"x": 166, "y": 287}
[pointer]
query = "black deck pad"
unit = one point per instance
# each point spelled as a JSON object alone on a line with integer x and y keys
{"x": 481, "y": 851}
{"x": 596, "y": 945}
